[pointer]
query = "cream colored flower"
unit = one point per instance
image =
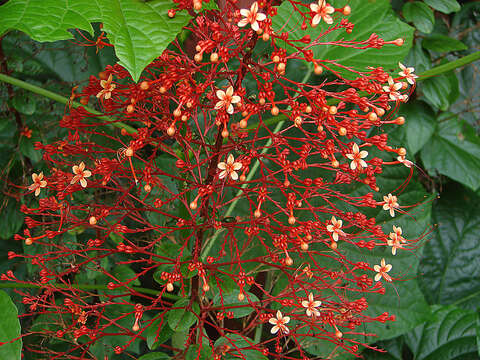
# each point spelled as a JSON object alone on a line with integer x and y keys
{"x": 407, "y": 73}
{"x": 108, "y": 87}
{"x": 322, "y": 10}
{"x": 404, "y": 161}
{"x": 229, "y": 168}
{"x": 227, "y": 99}
{"x": 251, "y": 17}
{"x": 38, "y": 183}
{"x": 311, "y": 306}
{"x": 335, "y": 228}
{"x": 80, "y": 174}
{"x": 357, "y": 157}
{"x": 392, "y": 89}
{"x": 279, "y": 323}
{"x": 396, "y": 239}
{"x": 390, "y": 204}
{"x": 382, "y": 271}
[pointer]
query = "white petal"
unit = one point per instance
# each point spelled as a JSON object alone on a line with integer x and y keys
{"x": 222, "y": 174}
{"x": 230, "y": 109}
{"x": 221, "y": 94}
{"x": 222, "y": 165}
{"x": 234, "y": 175}
{"x": 261, "y": 17}
{"x": 242, "y": 22}
{"x": 255, "y": 26}
{"x": 245, "y": 12}
{"x": 237, "y": 166}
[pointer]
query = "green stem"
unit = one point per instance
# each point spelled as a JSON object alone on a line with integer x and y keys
{"x": 62, "y": 99}
{"x": 440, "y": 69}
{"x": 10, "y": 285}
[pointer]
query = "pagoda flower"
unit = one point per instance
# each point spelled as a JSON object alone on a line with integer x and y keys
{"x": 229, "y": 168}
{"x": 393, "y": 88}
{"x": 396, "y": 239}
{"x": 251, "y": 17}
{"x": 404, "y": 161}
{"x": 382, "y": 271}
{"x": 407, "y": 73}
{"x": 279, "y": 322}
{"x": 38, "y": 183}
{"x": 80, "y": 174}
{"x": 108, "y": 87}
{"x": 227, "y": 99}
{"x": 357, "y": 157}
{"x": 390, "y": 204}
{"x": 311, "y": 306}
{"x": 322, "y": 10}
{"x": 335, "y": 228}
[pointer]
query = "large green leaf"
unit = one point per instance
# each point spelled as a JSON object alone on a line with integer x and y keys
{"x": 445, "y": 6}
{"x": 9, "y": 329}
{"x": 369, "y": 17}
{"x": 442, "y": 43}
{"x": 419, "y": 125}
{"x": 449, "y": 335}
{"x": 420, "y": 15}
{"x": 179, "y": 318}
{"x": 139, "y": 30}
{"x": 454, "y": 151}
{"x": 449, "y": 270}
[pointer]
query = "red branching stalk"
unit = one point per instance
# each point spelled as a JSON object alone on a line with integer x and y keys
{"x": 155, "y": 201}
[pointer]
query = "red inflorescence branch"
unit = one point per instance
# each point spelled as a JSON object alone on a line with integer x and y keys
{"x": 151, "y": 208}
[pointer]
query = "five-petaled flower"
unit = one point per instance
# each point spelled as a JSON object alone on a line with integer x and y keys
{"x": 227, "y": 99}
{"x": 404, "y": 161}
{"x": 229, "y": 168}
{"x": 251, "y": 17}
{"x": 382, "y": 271}
{"x": 80, "y": 174}
{"x": 279, "y": 323}
{"x": 390, "y": 204}
{"x": 108, "y": 87}
{"x": 322, "y": 10}
{"x": 396, "y": 239}
{"x": 357, "y": 157}
{"x": 311, "y": 305}
{"x": 392, "y": 89}
{"x": 38, "y": 183}
{"x": 407, "y": 73}
{"x": 335, "y": 228}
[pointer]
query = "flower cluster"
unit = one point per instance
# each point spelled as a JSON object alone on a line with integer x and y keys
{"x": 238, "y": 228}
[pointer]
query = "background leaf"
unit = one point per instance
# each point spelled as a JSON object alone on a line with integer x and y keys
{"x": 420, "y": 14}
{"x": 445, "y": 6}
{"x": 139, "y": 30}
{"x": 9, "y": 329}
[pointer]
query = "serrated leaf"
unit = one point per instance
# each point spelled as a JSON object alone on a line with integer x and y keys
{"x": 368, "y": 18}
{"x": 419, "y": 125}
{"x": 420, "y": 14}
{"x": 179, "y": 318}
{"x": 445, "y": 6}
{"x": 9, "y": 329}
{"x": 442, "y": 43}
{"x": 454, "y": 151}
{"x": 139, "y": 30}
{"x": 450, "y": 272}
{"x": 450, "y": 335}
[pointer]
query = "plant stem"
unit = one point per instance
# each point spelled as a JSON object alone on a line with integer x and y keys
{"x": 62, "y": 99}
{"x": 440, "y": 69}
{"x": 10, "y": 285}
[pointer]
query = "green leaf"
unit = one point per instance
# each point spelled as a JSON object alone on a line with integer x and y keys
{"x": 445, "y": 6}
{"x": 154, "y": 356}
{"x": 124, "y": 273}
{"x": 442, "y": 43}
{"x": 27, "y": 148}
{"x": 450, "y": 335}
{"x": 436, "y": 91}
{"x": 11, "y": 219}
{"x": 368, "y": 18}
{"x": 181, "y": 319}
{"x": 239, "y": 348}
{"x": 448, "y": 273}
{"x": 420, "y": 15}
{"x": 418, "y": 57}
{"x": 24, "y": 103}
{"x": 231, "y": 303}
{"x": 139, "y": 30}
{"x": 419, "y": 125}
{"x": 156, "y": 335}
{"x": 454, "y": 151}
{"x": 9, "y": 329}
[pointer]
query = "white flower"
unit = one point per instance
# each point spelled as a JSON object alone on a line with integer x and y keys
{"x": 404, "y": 161}
{"x": 108, "y": 87}
{"x": 335, "y": 228}
{"x": 227, "y": 99}
{"x": 390, "y": 204}
{"x": 382, "y": 271}
{"x": 357, "y": 157}
{"x": 407, "y": 73}
{"x": 229, "y": 168}
{"x": 38, "y": 183}
{"x": 80, "y": 174}
{"x": 323, "y": 11}
{"x": 251, "y": 17}
{"x": 279, "y": 323}
{"x": 396, "y": 239}
{"x": 311, "y": 306}
{"x": 392, "y": 89}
